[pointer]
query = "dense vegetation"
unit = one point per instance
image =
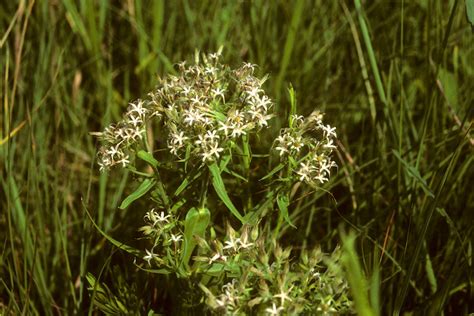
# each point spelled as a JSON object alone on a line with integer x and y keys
{"x": 394, "y": 77}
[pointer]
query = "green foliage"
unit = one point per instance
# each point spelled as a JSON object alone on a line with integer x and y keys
{"x": 142, "y": 189}
{"x": 195, "y": 225}
{"x": 392, "y": 76}
{"x": 219, "y": 186}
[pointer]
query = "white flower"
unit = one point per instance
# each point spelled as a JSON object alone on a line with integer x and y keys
{"x": 174, "y": 149}
{"x": 324, "y": 167}
{"x": 224, "y": 127}
{"x": 135, "y": 120}
{"x": 329, "y": 131}
{"x": 297, "y": 143}
{"x": 305, "y": 172}
{"x": 219, "y": 92}
{"x": 283, "y": 148}
{"x": 178, "y": 139}
{"x": 264, "y": 102}
{"x": 261, "y": 119}
{"x": 215, "y": 150}
{"x": 245, "y": 245}
{"x": 274, "y": 310}
{"x": 162, "y": 218}
{"x": 249, "y": 66}
{"x": 253, "y": 93}
{"x": 237, "y": 130}
{"x": 232, "y": 244}
{"x": 113, "y": 151}
{"x": 186, "y": 90}
{"x": 284, "y": 296}
{"x": 214, "y": 55}
{"x": 124, "y": 161}
{"x": 216, "y": 257}
{"x": 209, "y": 153}
{"x": 297, "y": 119}
{"x": 191, "y": 116}
{"x": 154, "y": 217}
{"x": 321, "y": 178}
{"x": 329, "y": 144}
{"x": 211, "y": 135}
{"x": 137, "y": 108}
{"x": 209, "y": 70}
{"x": 196, "y": 100}
{"x": 201, "y": 141}
{"x": 149, "y": 256}
{"x": 176, "y": 238}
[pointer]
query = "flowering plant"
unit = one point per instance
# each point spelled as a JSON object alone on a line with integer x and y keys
{"x": 208, "y": 175}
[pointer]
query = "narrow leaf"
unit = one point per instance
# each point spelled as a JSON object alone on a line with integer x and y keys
{"x": 219, "y": 186}
{"x": 144, "y": 187}
{"x": 470, "y": 12}
{"x": 275, "y": 170}
{"x": 147, "y": 157}
{"x": 283, "y": 201}
{"x": 195, "y": 224}
{"x": 188, "y": 180}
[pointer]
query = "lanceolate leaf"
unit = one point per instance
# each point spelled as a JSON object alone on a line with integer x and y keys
{"x": 283, "y": 201}
{"x": 275, "y": 170}
{"x": 146, "y": 186}
{"x": 146, "y": 156}
{"x": 195, "y": 224}
{"x": 470, "y": 12}
{"x": 218, "y": 184}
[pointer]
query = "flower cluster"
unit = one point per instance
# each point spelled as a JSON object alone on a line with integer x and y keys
{"x": 165, "y": 233}
{"x": 207, "y": 113}
{"x": 308, "y": 145}
{"x": 118, "y": 138}
{"x": 209, "y": 105}
{"x": 271, "y": 283}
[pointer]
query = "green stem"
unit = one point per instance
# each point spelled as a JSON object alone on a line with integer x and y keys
{"x": 246, "y": 160}
{"x": 204, "y": 187}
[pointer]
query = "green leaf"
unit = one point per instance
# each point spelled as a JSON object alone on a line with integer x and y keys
{"x": 450, "y": 87}
{"x": 118, "y": 244}
{"x": 412, "y": 171}
{"x": 144, "y": 187}
{"x": 195, "y": 224}
{"x": 355, "y": 275}
{"x": 275, "y": 170}
{"x": 219, "y": 186}
{"x": 188, "y": 180}
{"x": 292, "y": 94}
{"x": 224, "y": 161}
{"x": 177, "y": 205}
{"x": 147, "y": 157}
{"x": 283, "y": 201}
{"x": 216, "y": 269}
{"x": 235, "y": 174}
{"x": 470, "y": 12}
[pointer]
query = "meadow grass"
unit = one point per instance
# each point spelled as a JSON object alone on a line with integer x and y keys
{"x": 394, "y": 77}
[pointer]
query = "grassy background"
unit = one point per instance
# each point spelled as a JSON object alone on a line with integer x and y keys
{"x": 395, "y": 77}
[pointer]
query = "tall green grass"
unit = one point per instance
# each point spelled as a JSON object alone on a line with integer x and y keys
{"x": 394, "y": 77}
